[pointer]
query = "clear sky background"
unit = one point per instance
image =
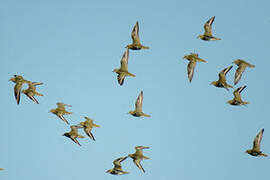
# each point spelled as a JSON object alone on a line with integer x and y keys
{"x": 73, "y": 46}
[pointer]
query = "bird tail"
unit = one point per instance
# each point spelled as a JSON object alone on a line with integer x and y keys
{"x": 38, "y": 94}
{"x": 145, "y": 157}
{"x": 215, "y": 38}
{"x": 145, "y": 47}
{"x": 146, "y": 115}
{"x": 130, "y": 74}
{"x": 251, "y": 66}
{"x": 201, "y": 60}
{"x": 264, "y": 155}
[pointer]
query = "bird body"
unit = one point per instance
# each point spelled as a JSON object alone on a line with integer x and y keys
{"x": 73, "y": 134}
{"x": 136, "y": 44}
{"x": 221, "y": 82}
{"x": 19, "y": 80}
{"x": 138, "y": 107}
{"x": 256, "y": 150}
{"x": 237, "y": 100}
{"x": 193, "y": 58}
{"x": 138, "y": 156}
{"x": 60, "y": 111}
{"x": 87, "y": 126}
{"x": 242, "y": 65}
{"x": 208, "y": 36}
{"x": 31, "y": 91}
{"x": 117, "y": 169}
{"x": 123, "y": 71}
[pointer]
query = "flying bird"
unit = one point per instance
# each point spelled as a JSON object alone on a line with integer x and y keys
{"x": 138, "y": 156}
{"x": 87, "y": 126}
{"x": 19, "y": 80}
{"x": 237, "y": 100}
{"x": 73, "y": 134}
{"x": 136, "y": 45}
{"x": 117, "y": 169}
{"x": 193, "y": 58}
{"x": 241, "y": 68}
{"x": 123, "y": 71}
{"x": 138, "y": 107}
{"x": 31, "y": 91}
{"x": 60, "y": 111}
{"x": 256, "y": 150}
{"x": 221, "y": 82}
{"x": 208, "y": 36}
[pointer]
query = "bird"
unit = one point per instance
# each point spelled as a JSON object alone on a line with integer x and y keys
{"x": 237, "y": 100}
{"x": 193, "y": 58}
{"x": 241, "y": 68}
{"x": 221, "y": 82}
{"x": 31, "y": 91}
{"x": 136, "y": 45}
{"x": 256, "y": 150}
{"x": 117, "y": 169}
{"x": 19, "y": 80}
{"x": 138, "y": 156}
{"x": 208, "y": 36}
{"x": 138, "y": 107}
{"x": 73, "y": 134}
{"x": 123, "y": 71}
{"x": 60, "y": 111}
{"x": 87, "y": 126}
{"x": 1, "y": 169}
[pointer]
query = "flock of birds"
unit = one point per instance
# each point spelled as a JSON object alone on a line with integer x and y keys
{"x": 122, "y": 72}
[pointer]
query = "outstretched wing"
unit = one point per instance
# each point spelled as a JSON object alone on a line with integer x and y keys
{"x": 135, "y": 34}
{"x": 190, "y": 69}
{"x": 32, "y": 98}
{"x": 124, "y": 61}
{"x": 138, "y": 164}
{"x": 257, "y": 141}
{"x": 208, "y": 27}
{"x": 238, "y": 74}
{"x": 139, "y": 101}
{"x": 121, "y": 78}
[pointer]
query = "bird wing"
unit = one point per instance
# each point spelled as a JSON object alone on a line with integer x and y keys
{"x": 121, "y": 78}
{"x": 190, "y": 69}
{"x": 124, "y": 61}
{"x": 17, "y": 92}
{"x": 63, "y": 118}
{"x": 226, "y": 70}
{"x": 138, "y": 164}
{"x": 75, "y": 140}
{"x": 117, "y": 161}
{"x": 257, "y": 141}
{"x": 89, "y": 133}
{"x": 37, "y": 83}
{"x": 208, "y": 27}
{"x": 135, "y": 34}
{"x": 139, "y": 101}
{"x": 32, "y": 98}
{"x": 238, "y": 74}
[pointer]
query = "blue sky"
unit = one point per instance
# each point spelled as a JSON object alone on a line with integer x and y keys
{"x": 73, "y": 46}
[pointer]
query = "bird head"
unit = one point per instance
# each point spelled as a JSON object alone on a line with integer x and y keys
{"x": 200, "y": 36}
{"x": 142, "y": 147}
{"x": 109, "y": 171}
{"x": 131, "y": 112}
{"x": 237, "y": 61}
{"x": 214, "y": 83}
{"x": 66, "y": 134}
{"x": 52, "y": 111}
{"x": 128, "y": 46}
{"x": 248, "y": 151}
